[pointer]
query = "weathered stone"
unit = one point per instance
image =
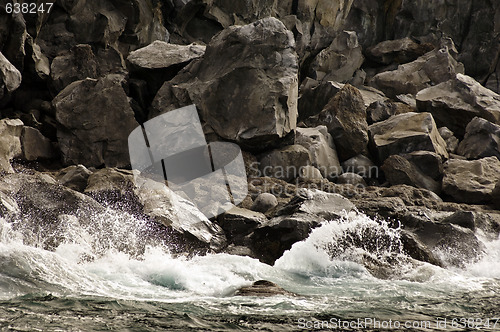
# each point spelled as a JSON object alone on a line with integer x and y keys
{"x": 264, "y": 202}
{"x": 160, "y": 54}
{"x": 456, "y": 102}
{"x": 36, "y": 146}
{"x": 471, "y": 181}
{"x": 383, "y": 110}
{"x": 339, "y": 61}
{"x": 285, "y": 163}
{"x": 308, "y": 173}
{"x": 496, "y": 195}
{"x": 399, "y": 170}
{"x": 74, "y": 177}
{"x": 321, "y": 149}
{"x": 432, "y": 68}
{"x": 351, "y": 178}
{"x": 245, "y": 86}
{"x": 360, "y": 165}
{"x": 450, "y": 139}
{"x": 10, "y": 77}
{"x": 406, "y": 133}
{"x": 10, "y": 143}
{"x": 314, "y": 96}
{"x": 482, "y": 139}
{"x": 88, "y": 135}
{"x": 430, "y": 163}
{"x": 263, "y": 288}
{"x": 238, "y": 223}
{"x": 397, "y": 51}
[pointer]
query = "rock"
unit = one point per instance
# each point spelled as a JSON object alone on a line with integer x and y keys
{"x": 482, "y": 139}
{"x": 399, "y": 170}
{"x": 361, "y": 165}
{"x": 345, "y": 118}
{"x": 128, "y": 191}
{"x": 383, "y": 110}
{"x": 87, "y": 135}
{"x": 314, "y": 95}
{"x": 245, "y": 86}
{"x": 456, "y": 102}
{"x": 264, "y": 202}
{"x": 471, "y": 181}
{"x": 351, "y": 178}
{"x": 406, "y": 133}
{"x": 397, "y": 51}
{"x": 417, "y": 250}
{"x": 10, "y": 77}
{"x": 449, "y": 138}
{"x": 432, "y": 68}
{"x": 496, "y": 195}
{"x": 263, "y": 288}
{"x": 429, "y": 163}
{"x": 339, "y": 61}
{"x": 463, "y": 219}
{"x": 37, "y": 59}
{"x": 160, "y": 54}
{"x": 308, "y": 173}
{"x": 35, "y": 146}
{"x": 295, "y": 221}
{"x": 321, "y": 149}
{"x": 285, "y": 163}
{"x": 10, "y": 143}
{"x": 74, "y": 177}
{"x": 238, "y": 223}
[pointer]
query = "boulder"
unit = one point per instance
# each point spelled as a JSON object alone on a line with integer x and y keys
{"x": 361, "y": 165}
{"x": 127, "y": 190}
{"x": 10, "y": 143}
{"x": 351, "y": 178}
{"x": 397, "y": 51}
{"x": 245, "y": 86}
{"x": 308, "y": 173}
{"x": 496, "y": 196}
{"x": 456, "y": 102}
{"x": 86, "y": 134}
{"x": 74, "y": 177}
{"x": 406, "y": 133}
{"x": 339, "y": 61}
{"x": 450, "y": 139}
{"x": 429, "y": 163}
{"x": 285, "y": 163}
{"x": 432, "y": 68}
{"x": 345, "y": 118}
{"x": 471, "y": 181}
{"x": 35, "y": 146}
{"x": 383, "y": 110}
{"x": 482, "y": 139}
{"x": 263, "y": 288}
{"x": 398, "y": 170}
{"x": 238, "y": 223}
{"x": 160, "y": 54}
{"x": 10, "y": 77}
{"x": 321, "y": 149}
{"x": 264, "y": 202}
{"x": 314, "y": 95}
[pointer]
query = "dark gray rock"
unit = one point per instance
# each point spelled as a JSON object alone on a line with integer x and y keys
{"x": 383, "y": 110}
{"x": 361, "y": 165}
{"x": 397, "y": 51}
{"x": 74, "y": 177}
{"x": 10, "y": 143}
{"x": 264, "y": 202}
{"x": 450, "y": 139}
{"x": 429, "y": 163}
{"x": 238, "y": 223}
{"x": 285, "y": 163}
{"x": 482, "y": 139}
{"x": 314, "y": 95}
{"x": 263, "y": 288}
{"x": 35, "y": 146}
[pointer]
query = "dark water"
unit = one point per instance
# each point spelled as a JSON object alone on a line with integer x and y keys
{"x": 57, "y": 290}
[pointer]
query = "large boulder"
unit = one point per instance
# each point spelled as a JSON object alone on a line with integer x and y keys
{"x": 238, "y": 223}
{"x": 482, "y": 139}
{"x": 471, "y": 181}
{"x": 406, "y": 133}
{"x": 245, "y": 86}
{"x": 95, "y": 120}
{"x": 397, "y": 51}
{"x": 36, "y": 146}
{"x": 432, "y": 68}
{"x": 10, "y": 143}
{"x": 456, "y": 102}
{"x": 160, "y": 54}
{"x": 285, "y": 163}
{"x": 314, "y": 95}
{"x": 321, "y": 149}
{"x": 10, "y": 77}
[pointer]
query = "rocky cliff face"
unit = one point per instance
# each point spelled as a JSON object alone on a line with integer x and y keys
{"x": 392, "y": 104}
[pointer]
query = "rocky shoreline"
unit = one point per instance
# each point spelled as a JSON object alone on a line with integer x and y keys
{"x": 337, "y": 106}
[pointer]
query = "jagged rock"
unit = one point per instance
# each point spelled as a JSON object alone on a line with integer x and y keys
{"x": 397, "y": 51}
{"x": 10, "y": 143}
{"x": 245, "y": 86}
{"x": 482, "y": 139}
{"x": 160, "y": 54}
{"x": 129, "y": 191}
{"x": 285, "y": 163}
{"x": 361, "y": 165}
{"x": 314, "y": 96}
{"x": 456, "y": 102}
{"x": 463, "y": 219}
{"x": 471, "y": 181}
{"x": 496, "y": 195}
{"x": 430, "y": 163}
{"x": 238, "y": 223}
{"x": 263, "y": 288}
{"x": 264, "y": 202}
{"x": 37, "y": 59}
{"x": 383, "y": 110}
{"x": 36, "y": 146}
{"x": 450, "y": 139}
{"x": 74, "y": 177}
{"x": 321, "y": 149}
{"x": 432, "y": 68}
{"x": 345, "y": 118}
{"x": 398, "y": 170}
{"x": 10, "y": 77}
{"x": 351, "y": 178}
{"x": 339, "y": 61}
{"x": 406, "y": 133}
{"x": 295, "y": 221}
{"x": 86, "y": 134}
{"x": 417, "y": 250}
